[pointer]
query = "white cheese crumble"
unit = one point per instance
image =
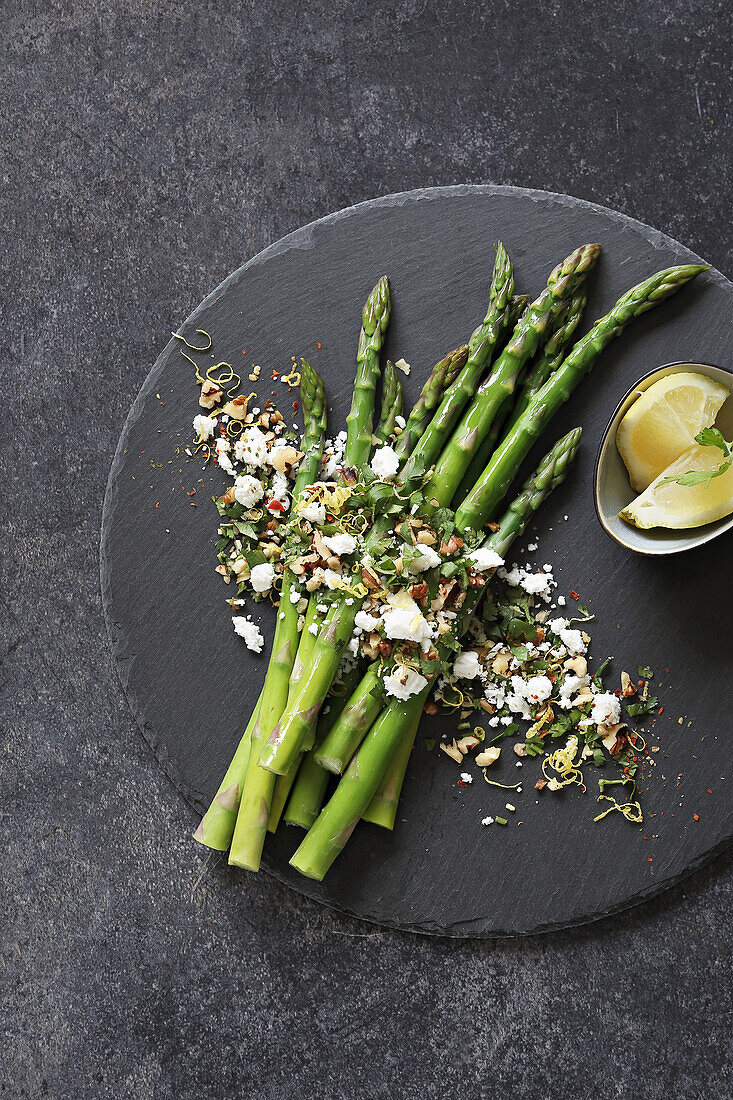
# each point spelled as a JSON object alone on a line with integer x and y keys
{"x": 314, "y": 513}
{"x": 467, "y": 665}
{"x": 539, "y": 688}
{"x": 262, "y": 577}
{"x": 404, "y": 682}
{"x": 251, "y": 447}
{"x": 365, "y": 621}
{"x": 487, "y": 821}
{"x": 484, "y": 559}
{"x": 405, "y": 621}
{"x": 428, "y": 559}
{"x": 340, "y": 544}
{"x": 248, "y": 490}
{"x": 385, "y": 462}
{"x": 248, "y": 630}
{"x": 466, "y": 777}
{"x": 606, "y": 709}
{"x": 571, "y": 639}
{"x": 204, "y": 426}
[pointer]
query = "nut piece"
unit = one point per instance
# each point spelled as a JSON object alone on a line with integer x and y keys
{"x": 467, "y": 743}
{"x": 236, "y": 408}
{"x": 281, "y": 457}
{"x": 500, "y": 664}
{"x": 520, "y": 749}
{"x": 426, "y": 537}
{"x": 451, "y": 546}
{"x": 489, "y": 756}
{"x": 628, "y": 688}
{"x": 210, "y": 395}
{"x": 370, "y": 579}
{"x": 453, "y": 751}
{"x": 578, "y": 665}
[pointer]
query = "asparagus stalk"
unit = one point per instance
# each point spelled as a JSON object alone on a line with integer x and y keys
{"x": 393, "y": 396}
{"x": 482, "y": 501}
{"x": 374, "y": 320}
{"x": 497, "y": 389}
{"x": 306, "y": 797}
{"x": 356, "y": 717}
{"x": 546, "y": 362}
{"x": 481, "y": 348}
{"x": 552, "y": 356}
{"x": 440, "y": 379}
{"x": 382, "y": 810}
{"x": 217, "y": 826}
{"x": 358, "y": 785}
{"x": 253, "y": 811}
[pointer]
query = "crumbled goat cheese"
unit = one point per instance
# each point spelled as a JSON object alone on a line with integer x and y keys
{"x": 571, "y": 639}
{"x": 606, "y": 709}
{"x": 466, "y": 777}
{"x": 251, "y": 447}
{"x": 204, "y": 426}
{"x": 487, "y": 821}
{"x": 569, "y": 688}
{"x": 428, "y": 559}
{"x": 405, "y": 621}
{"x": 248, "y": 630}
{"x": 365, "y": 621}
{"x": 561, "y": 601}
{"x": 539, "y": 688}
{"x": 248, "y": 490}
{"x": 467, "y": 665}
{"x": 404, "y": 682}
{"x": 294, "y": 595}
{"x": 340, "y": 544}
{"x": 400, "y": 421}
{"x": 536, "y": 583}
{"x": 226, "y": 464}
{"x": 332, "y": 579}
{"x": 280, "y": 488}
{"x": 385, "y": 462}
{"x": 484, "y": 559}
{"x": 262, "y": 577}
{"x": 314, "y": 513}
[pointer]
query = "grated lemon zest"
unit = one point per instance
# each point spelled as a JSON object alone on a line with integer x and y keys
{"x": 632, "y": 811}
{"x": 562, "y": 761}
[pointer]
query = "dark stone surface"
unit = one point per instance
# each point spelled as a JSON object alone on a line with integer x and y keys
{"x": 147, "y": 150}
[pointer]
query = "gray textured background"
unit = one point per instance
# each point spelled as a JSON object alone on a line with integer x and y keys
{"x": 147, "y": 150}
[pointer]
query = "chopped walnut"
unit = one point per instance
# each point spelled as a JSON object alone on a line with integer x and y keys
{"x": 452, "y": 546}
{"x": 628, "y": 687}
{"x": 488, "y": 757}
{"x": 453, "y": 751}
{"x": 236, "y": 408}
{"x": 282, "y": 457}
{"x": 210, "y": 395}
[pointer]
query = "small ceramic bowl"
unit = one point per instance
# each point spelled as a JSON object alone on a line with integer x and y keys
{"x": 612, "y": 490}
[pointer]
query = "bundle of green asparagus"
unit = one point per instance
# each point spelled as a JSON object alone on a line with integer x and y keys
{"x": 382, "y": 548}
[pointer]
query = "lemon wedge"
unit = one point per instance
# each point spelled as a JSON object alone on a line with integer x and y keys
{"x": 666, "y": 504}
{"x": 663, "y": 423}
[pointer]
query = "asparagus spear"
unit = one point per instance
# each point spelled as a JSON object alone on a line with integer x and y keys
{"x": 359, "y": 783}
{"x": 217, "y": 826}
{"x": 546, "y": 362}
{"x": 382, "y": 809}
{"x": 440, "y": 379}
{"x": 497, "y": 389}
{"x": 374, "y": 320}
{"x": 306, "y": 797}
{"x": 481, "y": 349}
{"x": 393, "y": 397}
{"x": 252, "y": 814}
{"x": 481, "y": 502}
{"x": 356, "y": 717}
{"x": 552, "y": 356}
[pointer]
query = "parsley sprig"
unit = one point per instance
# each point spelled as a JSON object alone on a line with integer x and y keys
{"x": 708, "y": 437}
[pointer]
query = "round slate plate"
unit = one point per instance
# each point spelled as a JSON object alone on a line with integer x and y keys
{"x": 191, "y": 682}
